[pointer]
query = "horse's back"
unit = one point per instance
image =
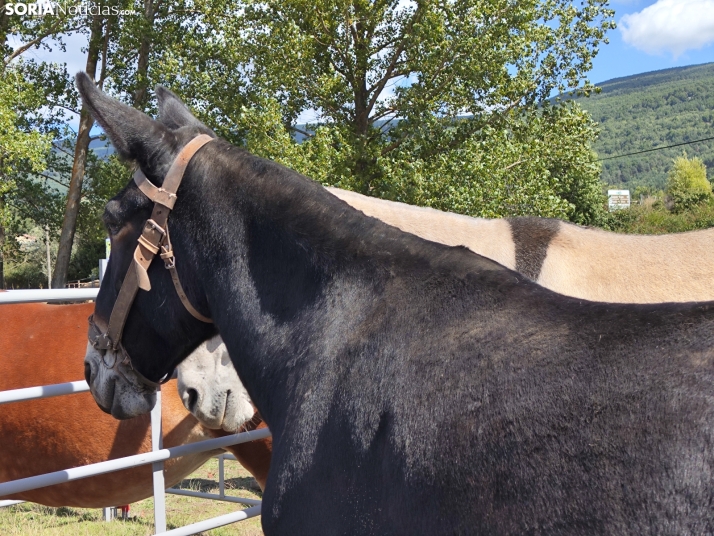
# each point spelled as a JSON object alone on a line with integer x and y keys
{"x": 488, "y": 237}
{"x": 604, "y": 266}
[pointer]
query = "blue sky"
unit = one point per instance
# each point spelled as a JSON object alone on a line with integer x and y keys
{"x": 656, "y": 34}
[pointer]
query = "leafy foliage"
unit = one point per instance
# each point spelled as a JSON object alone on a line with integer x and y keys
{"x": 687, "y": 182}
{"x": 416, "y": 101}
{"x": 540, "y": 165}
{"x": 26, "y": 254}
{"x": 656, "y": 219}
{"x": 19, "y": 145}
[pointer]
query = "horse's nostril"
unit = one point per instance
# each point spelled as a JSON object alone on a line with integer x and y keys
{"x": 192, "y": 398}
{"x": 87, "y": 372}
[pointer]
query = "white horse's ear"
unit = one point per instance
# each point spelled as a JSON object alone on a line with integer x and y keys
{"x": 215, "y": 343}
{"x": 175, "y": 114}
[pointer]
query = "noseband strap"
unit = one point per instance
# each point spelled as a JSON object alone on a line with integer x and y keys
{"x": 154, "y": 240}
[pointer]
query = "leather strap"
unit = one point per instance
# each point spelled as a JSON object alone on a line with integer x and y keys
{"x": 174, "y": 176}
{"x": 164, "y": 199}
{"x": 170, "y": 264}
{"x": 156, "y": 194}
{"x": 120, "y": 312}
{"x": 184, "y": 298}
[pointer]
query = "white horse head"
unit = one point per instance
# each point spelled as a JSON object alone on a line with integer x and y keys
{"x": 210, "y": 388}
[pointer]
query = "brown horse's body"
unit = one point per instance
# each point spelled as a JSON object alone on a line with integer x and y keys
{"x": 42, "y": 344}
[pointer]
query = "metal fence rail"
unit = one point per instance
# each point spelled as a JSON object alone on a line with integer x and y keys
{"x": 49, "y": 295}
{"x": 156, "y": 457}
{"x": 43, "y": 391}
{"x": 109, "y": 466}
{"x": 215, "y": 522}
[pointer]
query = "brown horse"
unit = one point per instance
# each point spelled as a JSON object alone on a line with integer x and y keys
{"x": 40, "y": 345}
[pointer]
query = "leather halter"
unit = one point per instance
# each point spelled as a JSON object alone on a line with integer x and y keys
{"x": 153, "y": 240}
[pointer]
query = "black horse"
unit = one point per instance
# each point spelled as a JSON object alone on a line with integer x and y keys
{"x": 411, "y": 388}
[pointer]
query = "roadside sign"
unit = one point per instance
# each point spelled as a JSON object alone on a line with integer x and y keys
{"x": 618, "y": 199}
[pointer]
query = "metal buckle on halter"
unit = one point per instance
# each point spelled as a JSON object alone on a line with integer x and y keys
{"x": 153, "y": 226}
{"x": 98, "y": 340}
{"x": 145, "y": 238}
{"x": 168, "y": 257}
{"x": 167, "y": 251}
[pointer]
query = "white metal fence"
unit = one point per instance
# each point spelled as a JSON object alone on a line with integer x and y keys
{"x": 156, "y": 457}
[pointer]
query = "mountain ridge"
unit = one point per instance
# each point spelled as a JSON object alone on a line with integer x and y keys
{"x": 651, "y": 110}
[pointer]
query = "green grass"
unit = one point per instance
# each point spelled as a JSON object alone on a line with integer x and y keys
{"x": 30, "y": 519}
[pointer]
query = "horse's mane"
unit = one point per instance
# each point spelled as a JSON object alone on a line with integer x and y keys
{"x": 330, "y": 227}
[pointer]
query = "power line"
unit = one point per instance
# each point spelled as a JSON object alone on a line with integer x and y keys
{"x": 655, "y": 149}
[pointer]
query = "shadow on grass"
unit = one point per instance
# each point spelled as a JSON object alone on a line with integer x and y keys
{"x": 66, "y": 511}
{"x": 211, "y": 486}
{"x": 65, "y": 514}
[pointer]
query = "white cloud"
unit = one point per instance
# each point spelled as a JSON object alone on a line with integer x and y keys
{"x": 673, "y": 26}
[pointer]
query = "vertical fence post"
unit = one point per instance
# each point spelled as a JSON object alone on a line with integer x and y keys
{"x": 49, "y": 265}
{"x": 221, "y": 477}
{"x": 158, "y": 467}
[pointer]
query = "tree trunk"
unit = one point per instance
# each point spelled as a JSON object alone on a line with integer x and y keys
{"x": 142, "y": 65}
{"x": 4, "y": 24}
{"x": 364, "y": 162}
{"x": 74, "y": 195}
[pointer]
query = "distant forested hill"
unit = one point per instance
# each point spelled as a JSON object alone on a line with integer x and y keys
{"x": 649, "y": 110}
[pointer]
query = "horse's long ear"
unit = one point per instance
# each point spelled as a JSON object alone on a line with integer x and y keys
{"x": 175, "y": 114}
{"x": 134, "y": 135}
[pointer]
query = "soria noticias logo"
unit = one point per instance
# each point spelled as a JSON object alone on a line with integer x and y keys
{"x": 41, "y": 9}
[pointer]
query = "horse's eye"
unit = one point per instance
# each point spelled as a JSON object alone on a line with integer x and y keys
{"x": 111, "y": 224}
{"x": 112, "y": 228}
{"x": 111, "y": 217}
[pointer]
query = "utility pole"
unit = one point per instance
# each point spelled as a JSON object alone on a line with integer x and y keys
{"x": 49, "y": 264}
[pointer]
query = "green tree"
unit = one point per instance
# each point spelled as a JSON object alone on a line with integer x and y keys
{"x": 32, "y": 107}
{"x": 100, "y": 28}
{"x": 16, "y": 143}
{"x": 687, "y": 182}
{"x": 25, "y": 87}
{"x": 415, "y": 101}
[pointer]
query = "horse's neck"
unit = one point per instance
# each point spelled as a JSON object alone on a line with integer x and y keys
{"x": 285, "y": 265}
{"x": 291, "y": 272}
